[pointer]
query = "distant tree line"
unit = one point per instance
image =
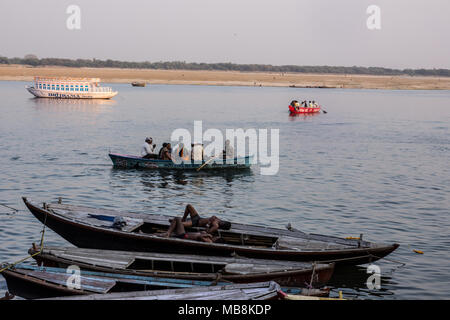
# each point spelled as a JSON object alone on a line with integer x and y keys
{"x": 32, "y": 60}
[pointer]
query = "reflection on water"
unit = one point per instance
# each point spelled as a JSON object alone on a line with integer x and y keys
{"x": 302, "y": 117}
{"x": 174, "y": 178}
{"x": 83, "y": 105}
{"x": 352, "y": 281}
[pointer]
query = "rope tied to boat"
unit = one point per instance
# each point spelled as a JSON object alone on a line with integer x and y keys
{"x": 310, "y": 284}
{"x": 31, "y": 255}
{"x": 11, "y": 208}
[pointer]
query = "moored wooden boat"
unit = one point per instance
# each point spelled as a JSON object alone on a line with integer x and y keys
{"x": 138, "y": 84}
{"x": 32, "y": 282}
{"x": 251, "y": 291}
{"x": 135, "y": 162}
{"x": 184, "y": 266}
{"x": 93, "y": 228}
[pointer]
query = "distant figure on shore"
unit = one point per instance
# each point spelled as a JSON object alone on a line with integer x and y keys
{"x": 228, "y": 151}
{"x": 148, "y": 149}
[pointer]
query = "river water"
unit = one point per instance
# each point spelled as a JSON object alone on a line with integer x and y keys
{"x": 377, "y": 163}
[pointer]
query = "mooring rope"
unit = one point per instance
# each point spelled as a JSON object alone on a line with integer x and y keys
{"x": 13, "y": 209}
{"x": 32, "y": 255}
{"x": 312, "y": 275}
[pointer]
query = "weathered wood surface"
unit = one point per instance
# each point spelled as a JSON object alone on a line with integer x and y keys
{"x": 311, "y": 240}
{"x": 122, "y": 259}
{"x": 98, "y": 282}
{"x": 87, "y": 283}
{"x": 254, "y": 291}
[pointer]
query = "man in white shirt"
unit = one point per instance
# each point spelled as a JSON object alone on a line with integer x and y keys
{"x": 148, "y": 149}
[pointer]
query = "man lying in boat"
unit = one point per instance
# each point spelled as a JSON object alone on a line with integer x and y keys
{"x": 212, "y": 224}
{"x": 177, "y": 230}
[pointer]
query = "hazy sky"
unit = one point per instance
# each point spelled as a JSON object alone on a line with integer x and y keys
{"x": 414, "y": 33}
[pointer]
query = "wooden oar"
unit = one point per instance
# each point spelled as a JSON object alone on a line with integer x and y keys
{"x": 207, "y": 162}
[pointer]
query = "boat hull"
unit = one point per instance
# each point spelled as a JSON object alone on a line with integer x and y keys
{"x": 292, "y": 276}
{"x": 29, "y": 288}
{"x": 86, "y": 235}
{"x": 31, "y": 282}
{"x": 39, "y": 93}
{"x": 133, "y": 162}
{"x": 304, "y": 111}
{"x": 249, "y": 291}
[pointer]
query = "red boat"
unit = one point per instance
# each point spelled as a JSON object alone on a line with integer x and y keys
{"x": 295, "y": 108}
{"x": 302, "y": 110}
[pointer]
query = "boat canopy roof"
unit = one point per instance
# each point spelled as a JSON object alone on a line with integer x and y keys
{"x": 66, "y": 79}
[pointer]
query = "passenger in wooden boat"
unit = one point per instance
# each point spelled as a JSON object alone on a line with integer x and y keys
{"x": 161, "y": 150}
{"x": 182, "y": 153}
{"x": 212, "y": 224}
{"x": 148, "y": 149}
{"x": 228, "y": 150}
{"x": 177, "y": 230}
{"x": 166, "y": 152}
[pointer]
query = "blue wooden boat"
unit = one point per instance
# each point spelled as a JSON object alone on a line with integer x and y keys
{"x": 33, "y": 282}
{"x": 134, "y": 162}
{"x": 247, "y": 291}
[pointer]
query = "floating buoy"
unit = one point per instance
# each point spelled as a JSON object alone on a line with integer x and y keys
{"x": 353, "y": 238}
{"x": 418, "y": 251}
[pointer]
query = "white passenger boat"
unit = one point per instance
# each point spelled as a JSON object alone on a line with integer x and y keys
{"x": 70, "y": 88}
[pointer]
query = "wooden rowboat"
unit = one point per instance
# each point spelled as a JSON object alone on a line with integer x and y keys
{"x": 134, "y": 162}
{"x": 190, "y": 267}
{"x": 32, "y": 282}
{"x": 93, "y": 228}
{"x": 250, "y": 291}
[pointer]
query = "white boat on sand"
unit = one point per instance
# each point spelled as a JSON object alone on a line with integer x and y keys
{"x": 70, "y": 88}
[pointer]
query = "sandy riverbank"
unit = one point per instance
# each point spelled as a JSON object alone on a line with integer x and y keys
{"x": 229, "y": 78}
